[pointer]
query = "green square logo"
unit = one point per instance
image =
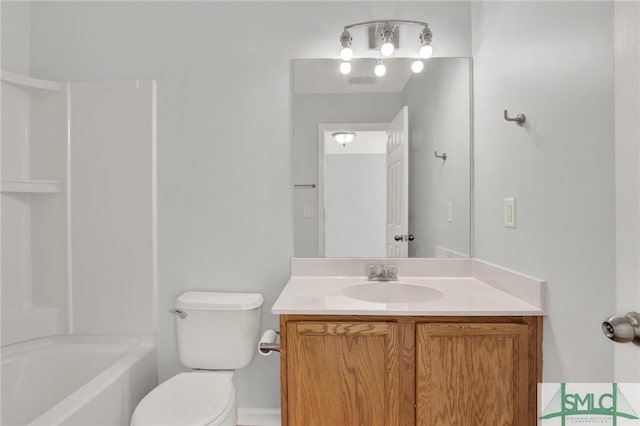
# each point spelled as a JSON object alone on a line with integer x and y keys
{"x": 574, "y": 404}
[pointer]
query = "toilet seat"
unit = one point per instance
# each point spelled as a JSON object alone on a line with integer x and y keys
{"x": 189, "y": 399}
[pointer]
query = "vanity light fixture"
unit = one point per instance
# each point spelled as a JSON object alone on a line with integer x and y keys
{"x": 384, "y": 35}
{"x": 426, "y": 51}
{"x": 343, "y": 138}
{"x": 387, "y": 40}
{"x": 346, "y": 53}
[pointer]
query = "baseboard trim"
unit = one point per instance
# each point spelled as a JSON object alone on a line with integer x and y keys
{"x": 250, "y": 416}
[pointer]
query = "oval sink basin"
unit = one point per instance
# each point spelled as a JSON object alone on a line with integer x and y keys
{"x": 391, "y": 292}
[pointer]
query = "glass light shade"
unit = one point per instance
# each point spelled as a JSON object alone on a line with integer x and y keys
{"x": 426, "y": 51}
{"x": 346, "y": 54}
{"x": 387, "y": 49}
{"x": 345, "y": 68}
{"x": 343, "y": 138}
{"x": 417, "y": 66}
{"x": 380, "y": 69}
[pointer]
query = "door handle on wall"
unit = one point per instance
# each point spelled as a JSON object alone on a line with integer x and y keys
{"x": 623, "y": 329}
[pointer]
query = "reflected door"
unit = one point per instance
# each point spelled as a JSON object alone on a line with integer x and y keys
{"x": 398, "y": 185}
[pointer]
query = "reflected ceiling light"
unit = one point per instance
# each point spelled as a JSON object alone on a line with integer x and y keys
{"x": 343, "y": 138}
{"x": 417, "y": 66}
{"x": 384, "y": 35}
{"x": 380, "y": 68}
{"x": 345, "y": 68}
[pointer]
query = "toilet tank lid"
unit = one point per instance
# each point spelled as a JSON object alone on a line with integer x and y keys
{"x": 207, "y": 300}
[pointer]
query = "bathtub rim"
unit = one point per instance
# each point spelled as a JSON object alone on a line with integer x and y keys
{"x": 137, "y": 348}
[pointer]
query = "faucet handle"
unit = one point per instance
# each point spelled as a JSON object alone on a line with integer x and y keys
{"x": 392, "y": 272}
{"x": 373, "y": 272}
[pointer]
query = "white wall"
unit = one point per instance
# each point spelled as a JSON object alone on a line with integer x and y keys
{"x": 224, "y": 152}
{"x": 309, "y": 111}
{"x": 15, "y": 36}
{"x": 439, "y": 101}
{"x": 552, "y": 61}
{"x": 627, "y": 128}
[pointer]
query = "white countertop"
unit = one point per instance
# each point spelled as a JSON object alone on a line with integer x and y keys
{"x": 487, "y": 294}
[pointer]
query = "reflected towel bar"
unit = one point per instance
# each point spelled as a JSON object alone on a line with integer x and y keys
{"x": 305, "y": 185}
{"x": 443, "y": 156}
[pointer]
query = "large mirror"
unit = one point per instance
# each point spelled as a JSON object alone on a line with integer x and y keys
{"x": 390, "y": 192}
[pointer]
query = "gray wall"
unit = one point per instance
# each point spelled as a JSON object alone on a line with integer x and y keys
{"x": 225, "y": 212}
{"x": 439, "y": 102}
{"x": 16, "y": 36}
{"x": 355, "y": 188}
{"x": 308, "y": 112}
{"x": 552, "y": 61}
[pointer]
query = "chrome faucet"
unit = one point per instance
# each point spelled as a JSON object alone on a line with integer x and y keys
{"x": 382, "y": 273}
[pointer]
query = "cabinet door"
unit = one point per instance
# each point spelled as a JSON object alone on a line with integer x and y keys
{"x": 473, "y": 374}
{"x": 343, "y": 374}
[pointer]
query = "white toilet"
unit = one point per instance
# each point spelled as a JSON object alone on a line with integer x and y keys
{"x": 217, "y": 333}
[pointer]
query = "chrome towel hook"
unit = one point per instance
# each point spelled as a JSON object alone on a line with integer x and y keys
{"x": 520, "y": 118}
{"x": 443, "y": 156}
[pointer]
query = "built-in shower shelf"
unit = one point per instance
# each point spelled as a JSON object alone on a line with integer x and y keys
{"x": 29, "y": 83}
{"x": 33, "y": 186}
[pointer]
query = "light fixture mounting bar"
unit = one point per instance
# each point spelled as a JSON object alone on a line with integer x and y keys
{"x": 375, "y": 41}
{"x": 392, "y": 22}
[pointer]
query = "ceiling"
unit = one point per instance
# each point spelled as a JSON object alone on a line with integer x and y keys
{"x": 322, "y": 76}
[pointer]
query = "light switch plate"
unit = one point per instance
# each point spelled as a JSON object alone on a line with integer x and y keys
{"x": 510, "y": 212}
{"x": 307, "y": 211}
{"x": 449, "y": 212}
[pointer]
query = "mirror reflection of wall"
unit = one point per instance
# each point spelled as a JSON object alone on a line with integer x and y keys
{"x": 439, "y": 118}
{"x": 354, "y": 185}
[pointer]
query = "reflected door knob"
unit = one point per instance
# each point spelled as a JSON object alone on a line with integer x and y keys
{"x": 404, "y": 237}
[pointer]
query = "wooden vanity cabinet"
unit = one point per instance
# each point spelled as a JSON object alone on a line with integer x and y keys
{"x": 346, "y": 373}
{"x": 475, "y": 374}
{"x": 424, "y": 371}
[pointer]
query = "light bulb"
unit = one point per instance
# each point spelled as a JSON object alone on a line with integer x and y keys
{"x": 387, "y": 49}
{"x": 417, "y": 66}
{"x": 426, "y": 51}
{"x": 346, "y": 53}
{"x": 345, "y": 68}
{"x": 380, "y": 69}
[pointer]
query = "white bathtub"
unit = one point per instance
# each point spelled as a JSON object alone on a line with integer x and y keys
{"x": 75, "y": 380}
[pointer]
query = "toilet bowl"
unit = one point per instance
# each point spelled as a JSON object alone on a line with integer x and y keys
{"x": 189, "y": 399}
{"x": 217, "y": 333}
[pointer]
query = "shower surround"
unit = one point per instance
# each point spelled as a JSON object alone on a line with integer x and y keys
{"x": 78, "y": 211}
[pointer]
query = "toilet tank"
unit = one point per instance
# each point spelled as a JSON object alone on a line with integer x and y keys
{"x": 220, "y": 331}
